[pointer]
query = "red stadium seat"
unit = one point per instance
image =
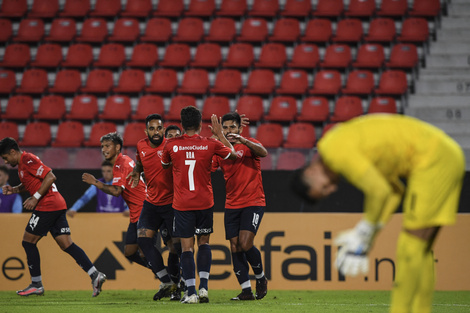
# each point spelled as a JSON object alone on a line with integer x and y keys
{"x": 36, "y": 134}
{"x": 176, "y": 55}
{"x": 98, "y": 129}
{"x": 314, "y": 109}
{"x": 414, "y": 29}
{"x": 79, "y": 55}
{"x": 425, "y": 8}
{"x": 94, "y": 30}
{"x": 51, "y": 108}
{"x": 31, "y": 30}
{"x": 14, "y": 8}
{"x": 261, "y": 82}
{"x": 19, "y": 107}
{"x": 290, "y": 160}
{"x": 208, "y": 55}
{"x": 370, "y": 56}
{"x": 251, "y": 106}
{"x": 360, "y": 8}
{"x": 98, "y": 81}
{"x": 318, "y": 31}
{"x": 253, "y": 30}
{"x": 157, "y": 30}
{"x": 392, "y": 82}
{"x": 326, "y": 82}
{"x": 270, "y": 135}
{"x": 286, "y": 30}
{"x": 84, "y": 108}
{"x": 382, "y": 105}
{"x": 329, "y": 8}
{"x": 232, "y": 8}
{"x": 111, "y": 55}
{"x": 200, "y": 8}
{"x": 215, "y": 105}
{"x": 222, "y": 30}
{"x": 106, "y": 8}
{"x": 7, "y": 30}
{"x": 131, "y": 81}
{"x": 7, "y": 81}
{"x": 195, "y": 82}
{"x": 293, "y": 82}
{"x": 75, "y": 8}
{"x": 306, "y": 56}
{"x": 17, "y": 55}
{"x": 143, "y": 55}
{"x": 137, "y": 8}
{"x": 227, "y": 82}
{"x": 393, "y": 8}
{"x": 44, "y": 8}
{"x": 67, "y": 81}
{"x": 403, "y": 56}
{"x": 337, "y": 56}
{"x": 273, "y": 55}
{"x": 126, "y": 29}
{"x": 240, "y": 55}
{"x": 282, "y": 109}
{"x": 381, "y": 30}
{"x": 300, "y": 136}
{"x": 264, "y": 8}
{"x": 297, "y": 8}
{"x": 346, "y": 108}
{"x": 348, "y": 30}
{"x": 163, "y": 81}
{"x": 190, "y": 30}
{"x": 49, "y": 55}
{"x": 34, "y": 81}
{"x": 116, "y": 108}
{"x": 9, "y": 129}
{"x": 169, "y": 8}
{"x": 148, "y": 104}
{"x": 359, "y": 82}
{"x": 62, "y": 30}
{"x": 177, "y": 103}
{"x": 133, "y": 133}
{"x": 70, "y": 135}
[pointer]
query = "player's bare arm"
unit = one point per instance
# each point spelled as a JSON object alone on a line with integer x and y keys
{"x": 257, "y": 149}
{"x": 109, "y": 189}
{"x": 217, "y": 130}
{"x": 30, "y": 203}
{"x": 8, "y": 190}
{"x": 134, "y": 176}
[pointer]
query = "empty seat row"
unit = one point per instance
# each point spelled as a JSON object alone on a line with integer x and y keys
{"x": 208, "y": 8}
{"x": 222, "y": 30}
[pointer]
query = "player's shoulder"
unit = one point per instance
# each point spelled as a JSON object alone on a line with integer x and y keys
{"x": 29, "y": 159}
{"x": 142, "y": 143}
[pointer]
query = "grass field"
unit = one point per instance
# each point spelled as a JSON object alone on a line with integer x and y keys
{"x": 275, "y": 301}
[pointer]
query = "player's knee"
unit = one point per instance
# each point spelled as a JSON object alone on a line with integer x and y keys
{"x": 246, "y": 245}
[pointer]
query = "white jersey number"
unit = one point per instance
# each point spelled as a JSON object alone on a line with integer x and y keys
{"x": 192, "y": 165}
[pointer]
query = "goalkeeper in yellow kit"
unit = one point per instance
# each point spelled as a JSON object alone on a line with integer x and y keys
{"x": 373, "y": 152}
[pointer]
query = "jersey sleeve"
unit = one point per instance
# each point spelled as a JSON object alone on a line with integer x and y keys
{"x": 137, "y": 154}
{"x": 166, "y": 159}
{"x": 119, "y": 178}
{"x": 35, "y": 167}
{"x": 215, "y": 163}
{"x": 221, "y": 150}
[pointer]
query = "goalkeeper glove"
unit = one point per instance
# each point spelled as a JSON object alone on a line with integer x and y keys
{"x": 354, "y": 245}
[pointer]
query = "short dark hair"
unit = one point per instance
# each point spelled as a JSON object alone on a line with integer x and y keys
{"x": 172, "y": 127}
{"x": 114, "y": 137}
{"x": 4, "y": 169}
{"x": 150, "y": 117}
{"x": 106, "y": 163}
{"x": 8, "y": 143}
{"x": 298, "y": 185}
{"x": 232, "y": 116}
{"x": 191, "y": 118}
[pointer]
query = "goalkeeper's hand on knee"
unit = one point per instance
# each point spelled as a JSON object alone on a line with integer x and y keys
{"x": 355, "y": 244}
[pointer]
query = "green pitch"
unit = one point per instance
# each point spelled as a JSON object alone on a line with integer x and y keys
{"x": 275, "y": 301}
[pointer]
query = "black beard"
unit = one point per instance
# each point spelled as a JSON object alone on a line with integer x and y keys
{"x": 156, "y": 142}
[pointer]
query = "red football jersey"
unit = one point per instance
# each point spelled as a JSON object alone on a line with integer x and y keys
{"x": 243, "y": 182}
{"x": 159, "y": 180}
{"x": 32, "y": 171}
{"x": 134, "y": 197}
{"x": 192, "y": 159}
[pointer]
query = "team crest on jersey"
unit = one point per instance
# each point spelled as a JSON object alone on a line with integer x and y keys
{"x": 160, "y": 153}
{"x": 240, "y": 153}
{"x": 175, "y": 149}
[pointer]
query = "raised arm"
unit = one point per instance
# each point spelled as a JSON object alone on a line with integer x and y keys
{"x": 109, "y": 189}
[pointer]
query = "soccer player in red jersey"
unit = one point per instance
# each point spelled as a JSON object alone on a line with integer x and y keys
{"x": 244, "y": 205}
{"x": 157, "y": 210}
{"x": 48, "y": 215}
{"x": 191, "y": 157}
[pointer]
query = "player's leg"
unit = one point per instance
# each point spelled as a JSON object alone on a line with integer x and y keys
{"x": 131, "y": 248}
{"x": 173, "y": 244}
{"x": 204, "y": 224}
{"x": 34, "y": 265}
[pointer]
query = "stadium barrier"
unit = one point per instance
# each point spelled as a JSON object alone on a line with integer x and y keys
{"x": 297, "y": 251}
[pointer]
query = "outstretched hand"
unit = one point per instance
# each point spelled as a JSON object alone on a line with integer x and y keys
{"x": 88, "y": 178}
{"x": 216, "y": 126}
{"x": 133, "y": 178}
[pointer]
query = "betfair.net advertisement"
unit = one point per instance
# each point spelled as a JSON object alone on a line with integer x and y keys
{"x": 296, "y": 248}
